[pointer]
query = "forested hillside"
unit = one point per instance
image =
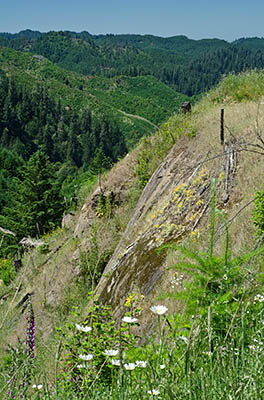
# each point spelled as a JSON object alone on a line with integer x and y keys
{"x": 43, "y": 147}
{"x": 188, "y": 66}
{"x": 68, "y": 127}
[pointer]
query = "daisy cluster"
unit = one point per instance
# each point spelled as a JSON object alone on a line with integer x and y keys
{"x": 82, "y": 328}
{"x": 127, "y": 366}
{"x": 39, "y": 387}
{"x": 130, "y": 366}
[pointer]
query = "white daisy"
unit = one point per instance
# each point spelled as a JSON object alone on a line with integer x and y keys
{"x": 86, "y": 357}
{"x": 154, "y": 392}
{"x": 129, "y": 320}
{"x": 115, "y": 362}
{"x": 37, "y": 387}
{"x": 130, "y": 366}
{"x": 83, "y": 328}
{"x": 141, "y": 364}
{"x": 110, "y": 352}
{"x": 158, "y": 309}
{"x": 259, "y": 298}
{"x": 83, "y": 366}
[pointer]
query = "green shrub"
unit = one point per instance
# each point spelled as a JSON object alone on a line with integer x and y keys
{"x": 217, "y": 281}
{"x": 246, "y": 86}
{"x": 7, "y": 270}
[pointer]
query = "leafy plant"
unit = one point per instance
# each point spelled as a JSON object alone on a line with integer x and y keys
{"x": 258, "y": 213}
{"x": 143, "y": 159}
{"x": 7, "y": 270}
{"x": 20, "y": 361}
{"x": 105, "y": 205}
{"x": 88, "y": 347}
{"x": 216, "y": 280}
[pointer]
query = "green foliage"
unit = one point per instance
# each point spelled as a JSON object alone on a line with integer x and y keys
{"x": 135, "y": 105}
{"x": 246, "y": 86}
{"x": 143, "y": 159}
{"x": 93, "y": 262}
{"x": 19, "y": 364}
{"x": 208, "y": 354}
{"x": 199, "y": 363}
{"x": 33, "y": 119}
{"x": 258, "y": 213}
{"x": 189, "y": 66}
{"x": 33, "y": 204}
{"x": 105, "y": 205}
{"x": 38, "y": 203}
{"x": 217, "y": 281}
{"x": 213, "y": 351}
{"x": 153, "y": 150}
{"x": 7, "y": 270}
{"x": 142, "y": 96}
{"x": 90, "y": 342}
{"x": 44, "y": 248}
{"x": 100, "y": 162}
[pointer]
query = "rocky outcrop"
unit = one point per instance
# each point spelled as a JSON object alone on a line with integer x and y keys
{"x": 170, "y": 208}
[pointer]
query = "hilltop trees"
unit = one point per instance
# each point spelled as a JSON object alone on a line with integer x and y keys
{"x": 31, "y": 202}
{"x": 189, "y": 66}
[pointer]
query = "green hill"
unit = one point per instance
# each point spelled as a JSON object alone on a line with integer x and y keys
{"x": 82, "y": 124}
{"x": 188, "y": 66}
{"x": 145, "y": 97}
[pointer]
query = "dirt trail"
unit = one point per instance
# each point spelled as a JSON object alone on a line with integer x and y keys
{"x": 138, "y": 117}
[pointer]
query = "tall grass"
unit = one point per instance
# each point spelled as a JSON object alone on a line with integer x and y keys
{"x": 246, "y": 86}
{"x": 202, "y": 364}
{"x": 213, "y": 351}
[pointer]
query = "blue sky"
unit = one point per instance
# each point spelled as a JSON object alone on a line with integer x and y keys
{"x": 224, "y": 19}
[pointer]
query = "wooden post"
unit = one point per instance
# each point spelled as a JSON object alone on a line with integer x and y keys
{"x": 222, "y": 137}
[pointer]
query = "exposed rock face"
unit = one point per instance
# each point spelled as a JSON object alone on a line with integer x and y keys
{"x": 170, "y": 208}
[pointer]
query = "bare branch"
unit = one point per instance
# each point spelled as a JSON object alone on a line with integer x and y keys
{"x": 7, "y": 232}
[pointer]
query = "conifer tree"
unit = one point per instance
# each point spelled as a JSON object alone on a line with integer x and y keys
{"x": 38, "y": 203}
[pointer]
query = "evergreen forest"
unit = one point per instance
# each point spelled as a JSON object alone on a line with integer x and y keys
{"x": 189, "y": 66}
{"x": 72, "y": 104}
